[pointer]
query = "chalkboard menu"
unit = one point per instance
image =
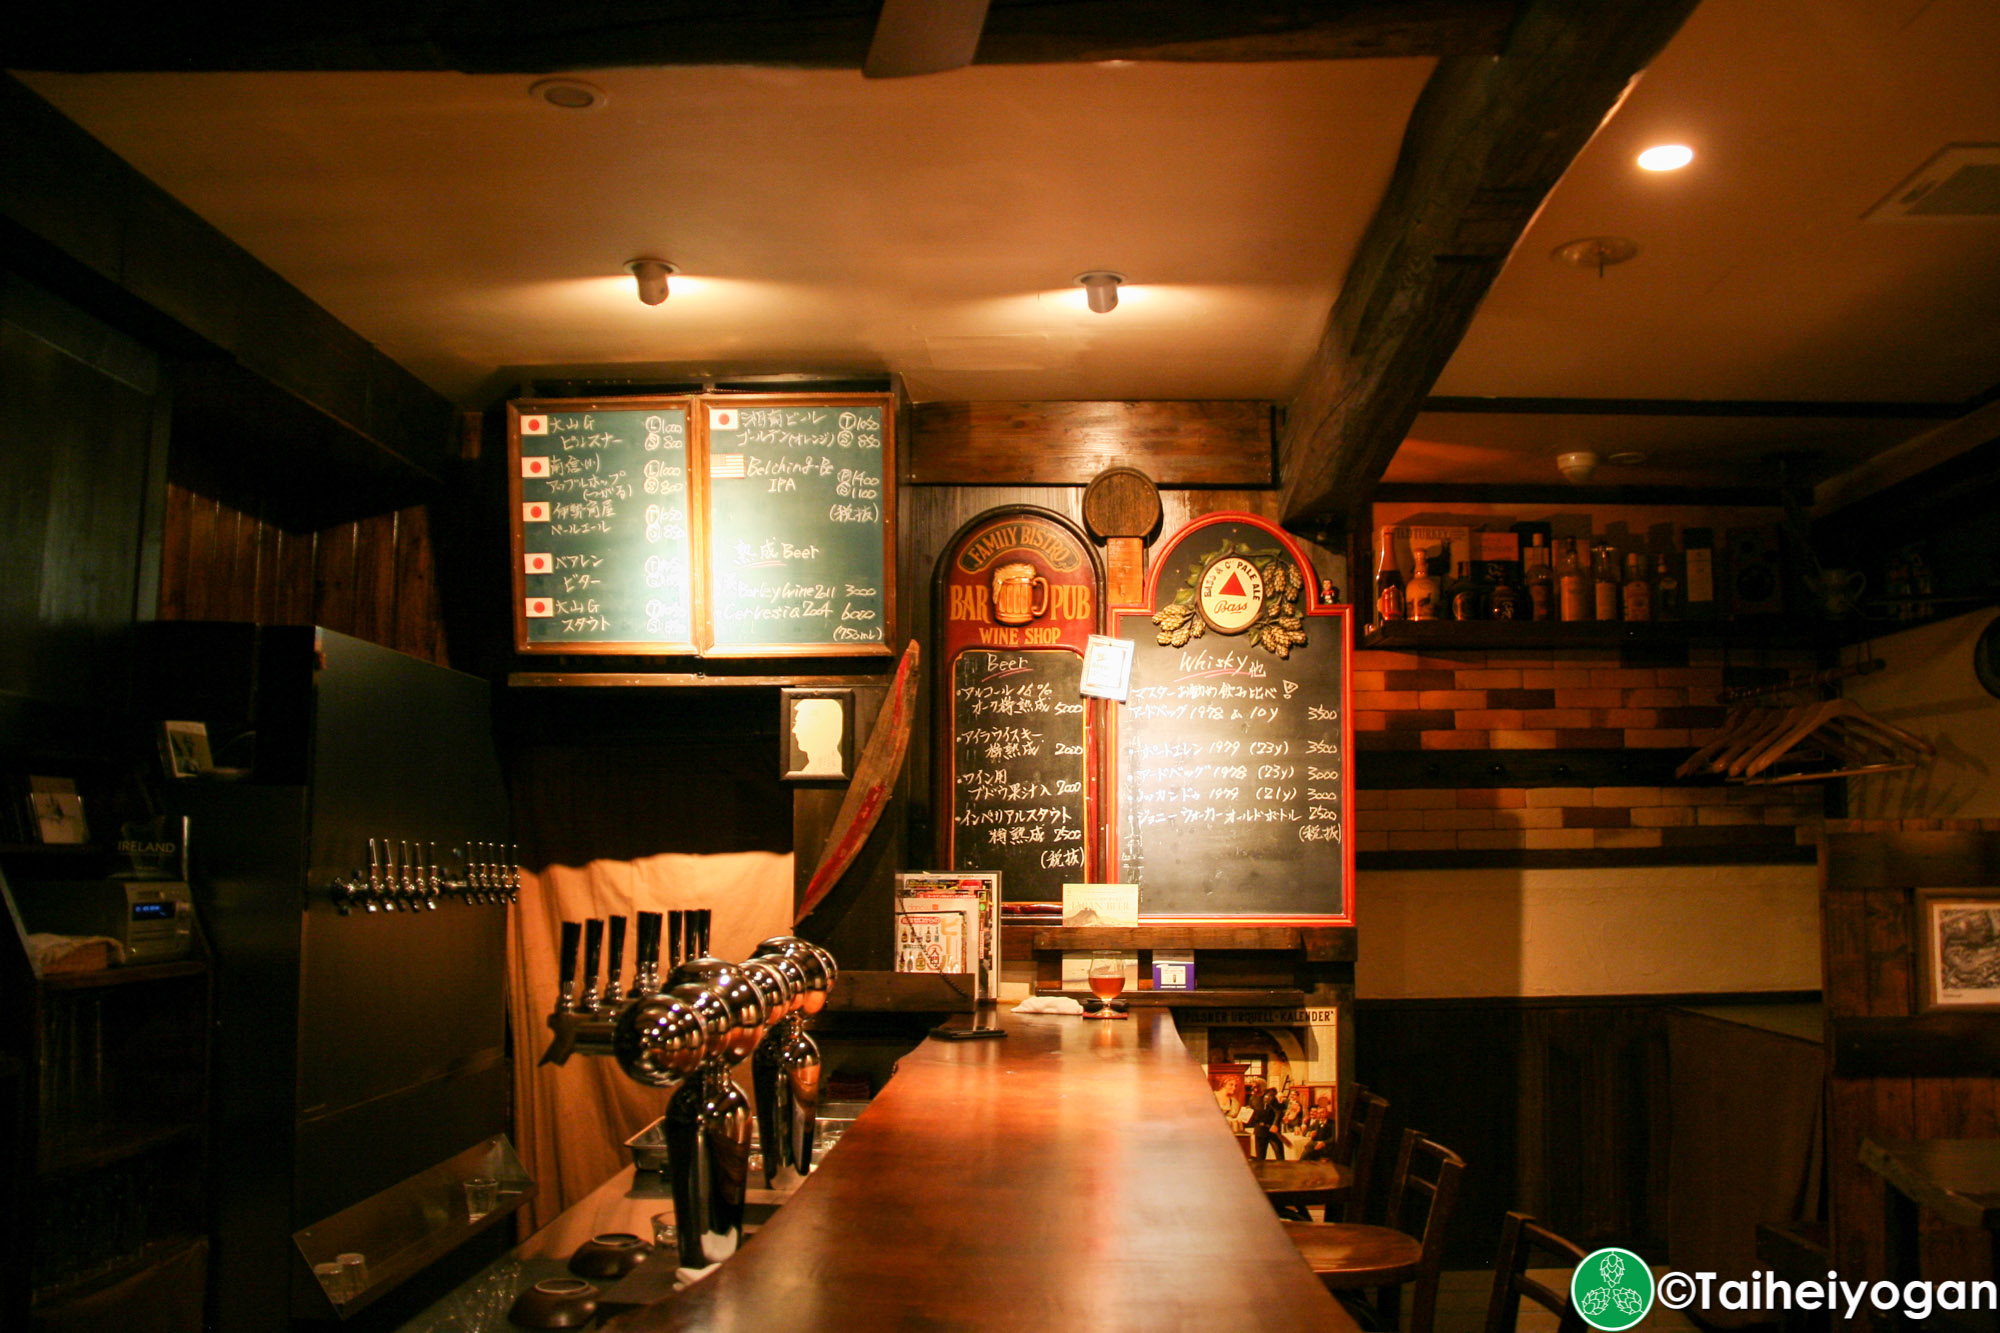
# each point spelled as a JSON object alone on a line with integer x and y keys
{"x": 1232, "y": 786}
{"x": 720, "y": 525}
{"x": 1018, "y": 769}
{"x": 603, "y": 555}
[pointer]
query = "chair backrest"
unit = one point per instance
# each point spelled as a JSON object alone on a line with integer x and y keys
{"x": 1438, "y": 1190}
{"x": 1520, "y": 1239}
{"x": 1362, "y": 1137}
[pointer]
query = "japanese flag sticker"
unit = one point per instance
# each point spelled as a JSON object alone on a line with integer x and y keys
{"x": 722, "y": 418}
{"x": 534, "y": 424}
{"x": 540, "y": 606}
{"x": 535, "y": 511}
{"x": 534, "y": 465}
{"x": 538, "y": 562}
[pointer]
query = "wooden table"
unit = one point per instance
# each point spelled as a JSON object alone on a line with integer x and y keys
{"x": 1290, "y": 1182}
{"x": 1074, "y": 1175}
{"x": 1958, "y": 1179}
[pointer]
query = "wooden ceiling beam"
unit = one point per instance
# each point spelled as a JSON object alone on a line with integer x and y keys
{"x": 1489, "y": 138}
{"x": 519, "y": 37}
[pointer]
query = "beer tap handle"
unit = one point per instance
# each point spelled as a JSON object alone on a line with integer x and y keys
{"x": 676, "y": 930}
{"x": 391, "y": 877}
{"x": 374, "y": 877}
{"x": 435, "y": 888}
{"x": 646, "y": 955}
{"x": 593, "y": 947}
{"x": 572, "y": 936}
{"x": 614, "y": 960}
{"x": 514, "y": 874}
{"x": 706, "y": 918}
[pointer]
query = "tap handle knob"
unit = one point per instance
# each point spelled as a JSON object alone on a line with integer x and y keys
{"x": 572, "y": 936}
{"x": 703, "y": 919}
{"x": 676, "y": 931}
{"x": 614, "y": 959}
{"x": 593, "y": 948}
{"x": 436, "y": 887}
{"x": 374, "y": 868}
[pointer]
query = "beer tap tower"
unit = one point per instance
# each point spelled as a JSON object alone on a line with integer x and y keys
{"x": 686, "y": 1033}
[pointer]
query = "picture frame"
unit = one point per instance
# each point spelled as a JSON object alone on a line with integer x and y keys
{"x": 816, "y": 735}
{"x": 1107, "y": 668}
{"x": 184, "y": 749}
{"x": 1957, "y": 937}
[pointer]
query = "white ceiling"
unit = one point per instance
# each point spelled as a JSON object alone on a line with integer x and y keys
{"x": 931, "y": 226}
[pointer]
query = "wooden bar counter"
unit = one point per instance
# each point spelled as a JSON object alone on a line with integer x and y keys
{"x": 1075, "y": 1175}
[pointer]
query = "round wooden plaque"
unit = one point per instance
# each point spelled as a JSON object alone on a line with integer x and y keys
{"x": 1121, "y": 502}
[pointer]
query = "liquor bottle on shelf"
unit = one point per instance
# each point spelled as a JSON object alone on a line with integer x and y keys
{"x": 1390, "y": 603}
{"x": 1698, "y": 583}
{"x": 1503, "y": 602}
{"x": 1666, "y": 589}
{"x": 1572, "y": 583}
{"x": 1424, "y": 597}
{"x": 1604, "y": 582}
{"x": 1638, "y": 593}
{"x": 1464, "y": 596}
{"x": 1540, "y": 579}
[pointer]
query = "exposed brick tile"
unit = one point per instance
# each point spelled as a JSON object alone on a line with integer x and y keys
{"x": 1575, "y": 698}
{"x": 1663, "y": 816}
{"x": 1546, "y": 817}
{"x": 1552, "y": 839}
{"x": 1492, "y": 798}
{"x": 1586, "y": 657}
{"x": 1726, "y": 814}
{"x": 1624, "y": 796}
{"x": 1704, "y": 697}
{"x": 1658, "y": 738}
{"x": 1592, "y": 816}
{"x": 1758, "y": 835}
{"x": 1371, "y": 719}
{"x": 1590, "y": 738}
{"x": 1558, "y": 717}
{"x": 1387, "y": 740}
{"x": 1560, "y": 678}
{"x": 1386, "y": 699}
{"x": 1700, "y": 655}
{"x": 1526, "y": 740}
{"x": 1708, "y": 677}
{"x": 1418, "y": 798}
{"x": 1489, "y": 679}
{"x": 1520, "y": 699}
{"x": 1713, "y": 795}
{"x": 1491, "y": 839}
{"x": 1392, "y": 821}
{"x": 1421, "y": 719}
{"x": 1738, "y": 676}
{"x": 1807, "y": 835}
{"x": 1685, "y": 795}
{"x": 1487, "y": 719}
{"x": 1521, "y": 662}
{"x": 1370, "y": 842}
{"x": 1790, "y": 814}
{"x": 1381, "y": 660}
{"x": 1423, "y": 842}
{"x": 1623, "y": 678}
{"x": 1655, "y": 698}
{"x": 1624, "y": 717}
{"x": 1369, "y": 799}
{"x": 1421, "y": 680}
{"x": 1558, "y": 796}
{"x": 1455, "y": 740}
{"x": 1369, "y": 680}
{"x": 1693, "y": 718}
{"x": 1457, "y": 819}
{"x": 1626, "y": 837}
{"x": 1452, "y": 699}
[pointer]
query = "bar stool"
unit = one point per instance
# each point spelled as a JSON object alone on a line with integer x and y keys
{"x": 1520, "y": 1238}
{"x": 1343, "y": 1180}
{"x": 1351, "y": 1256}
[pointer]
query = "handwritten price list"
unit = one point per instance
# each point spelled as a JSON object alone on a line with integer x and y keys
{"x": 798, "y": 500}
{"x": 604, "y": 527}
{"x": 1017, "y": 801}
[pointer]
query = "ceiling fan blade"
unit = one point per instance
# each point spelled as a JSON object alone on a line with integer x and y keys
{"x": 924, "y": 37}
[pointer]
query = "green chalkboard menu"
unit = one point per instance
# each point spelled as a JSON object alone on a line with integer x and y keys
{"x": 603, "y": 542}
{"x": 1232, "y": 790}
{"x": 720, "y": 525}
{"x": 799, "y": 556}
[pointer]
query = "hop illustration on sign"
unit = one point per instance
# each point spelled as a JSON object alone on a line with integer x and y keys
{"x": 1612, "y": 1290}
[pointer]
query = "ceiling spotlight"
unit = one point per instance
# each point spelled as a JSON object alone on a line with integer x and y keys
{"x": 1577, "y": 467}
{"x": 1598, "y": 252}
{"x": 1666, "y": 157}
{"x": 1101, "y": 285}
{"x": 652, "y": 275}
{"x": 569, "y": 94}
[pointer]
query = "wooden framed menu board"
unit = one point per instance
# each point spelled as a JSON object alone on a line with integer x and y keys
{"x": 1232, "y": 789}
{"x": 714, "y": 525}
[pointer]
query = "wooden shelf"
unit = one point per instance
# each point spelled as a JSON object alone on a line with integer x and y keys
{"x": 1217, "y": 998}
{"x": 1323, "y": 943}
{"x": 1445, "y": 635}
{"x": 124, "y": 976}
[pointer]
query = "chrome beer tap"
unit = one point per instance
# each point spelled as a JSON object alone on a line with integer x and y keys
{"x": 785, "y": 1071}
{"x": 435, "y": 888}
{"x": 391, "y": 878}
{"x": 646, "y": 955}
{"x": 374, "y": 878}
{"x": 614, "y": 963}
{"x": 411, "y": 893}
{"x": 514, "y": 874}
{"x": 593, "y": 945}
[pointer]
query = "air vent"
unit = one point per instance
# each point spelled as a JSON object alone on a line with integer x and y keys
{"x": 1962, "y": 181}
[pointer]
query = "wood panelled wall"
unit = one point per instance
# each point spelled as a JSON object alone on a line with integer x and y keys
{"x": 374, "y": 578}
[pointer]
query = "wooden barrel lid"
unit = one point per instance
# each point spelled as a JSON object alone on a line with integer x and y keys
{"x": 1121, "y": 502}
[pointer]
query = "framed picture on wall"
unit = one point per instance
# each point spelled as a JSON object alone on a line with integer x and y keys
{"x": 816, "y": 738}
{"x": 1958, "y": 948}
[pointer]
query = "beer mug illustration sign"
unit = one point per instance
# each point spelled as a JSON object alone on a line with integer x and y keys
{"x": 1019, "y": 594}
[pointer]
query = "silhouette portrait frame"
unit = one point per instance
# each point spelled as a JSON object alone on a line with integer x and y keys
{"x": 810, "y": 749}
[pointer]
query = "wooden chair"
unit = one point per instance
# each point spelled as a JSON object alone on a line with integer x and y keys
{"x": 1520, "y": 1239}
{"x": 1343, "y": 1181}
{"x": 1354, "y": 1257}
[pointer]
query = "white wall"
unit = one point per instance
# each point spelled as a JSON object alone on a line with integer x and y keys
{"x": 1657, "y": 930}
{"x": 1928, "y": 688}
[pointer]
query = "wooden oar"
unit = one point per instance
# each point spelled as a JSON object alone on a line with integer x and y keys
{"x": 874, "y": 781}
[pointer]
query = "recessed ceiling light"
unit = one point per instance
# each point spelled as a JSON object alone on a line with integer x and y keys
{"x": 1666, "y": 157}
{"x": 569, "y": 94}
{"x": 1626, "y": 458}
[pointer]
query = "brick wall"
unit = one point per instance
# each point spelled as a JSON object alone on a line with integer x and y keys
{"x": 1567, "y": 699}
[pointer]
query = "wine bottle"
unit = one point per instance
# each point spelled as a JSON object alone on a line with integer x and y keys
{"x": 1390, "y": 603}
